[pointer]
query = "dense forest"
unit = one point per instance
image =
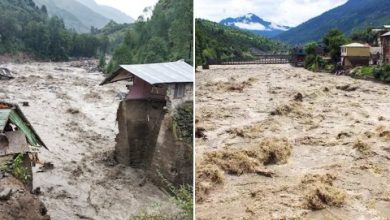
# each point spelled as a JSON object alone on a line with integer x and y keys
{"x": 166, "y": 36}
{"x": 216, "y": 42}
{"x": 25, "y": 27}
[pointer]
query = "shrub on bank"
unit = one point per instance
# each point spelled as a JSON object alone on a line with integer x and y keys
{"x": 381, "y": 73}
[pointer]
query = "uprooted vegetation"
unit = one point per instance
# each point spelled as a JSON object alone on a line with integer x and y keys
{"x": 252, "y": 159}
{"x": 254, "y": 130}
{"x": 347, "y": 88}
{"x": 207, "y": 177}
{"x": 232, "y": 85}
{"x": 383, "y": 133}
{"x": 362, "y": 147}
{"x": 320, "y": 192}
{"x": 292, "y": 108}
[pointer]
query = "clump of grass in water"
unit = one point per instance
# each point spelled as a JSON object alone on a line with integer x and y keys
{"x": 362, "y": 147}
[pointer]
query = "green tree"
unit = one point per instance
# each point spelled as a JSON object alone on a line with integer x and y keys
{"x": 333, "y": 40}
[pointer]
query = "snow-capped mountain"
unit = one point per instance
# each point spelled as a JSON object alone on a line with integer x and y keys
{"x": 255, "y": 24}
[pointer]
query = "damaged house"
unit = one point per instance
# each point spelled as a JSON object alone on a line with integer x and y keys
{"x": 19, "y": 143}
{"x": 156, "y": 120}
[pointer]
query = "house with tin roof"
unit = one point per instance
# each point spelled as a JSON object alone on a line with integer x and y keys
{"x": 355, "y": 54}
{"x": 155, "y": 120}
{"x": 18, "y": 142}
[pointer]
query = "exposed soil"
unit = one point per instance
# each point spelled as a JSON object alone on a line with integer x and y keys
{"x": 75, "y": 117}
{"x": 337, "y": 128}
{"x": 16, "y": 202}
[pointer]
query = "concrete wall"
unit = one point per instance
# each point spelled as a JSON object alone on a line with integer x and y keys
{"x": 147, "y": 140}
{"x": 139, "y": 124}
{"x": 356, "y": 61}
{"x": 173, "y": 102}
{"x": 172, "y": 158}
{"x": 356, "y": 51}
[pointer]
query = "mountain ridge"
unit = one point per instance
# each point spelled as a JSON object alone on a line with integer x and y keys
{"x": 107, "y": 11}
{"x": 81, "y": 15}
{"x": 255, "y": 24}
{"x": 352, "y": 16}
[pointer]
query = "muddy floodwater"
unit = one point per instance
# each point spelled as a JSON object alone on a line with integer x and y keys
{"x": 76, "y": 118}
{"x": 327, "y": 139}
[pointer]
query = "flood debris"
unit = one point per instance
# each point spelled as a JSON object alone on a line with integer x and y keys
{"x": 207, "y": 178}
{"x": 322, "y": 196}
{"x": 298, "y": 97}
{"x": 19, "y": 143}
{"x": 362, "y": 147}
{"x": 6, "y": 74}
{"x": 292, "y": 108}
{"x": 16, "y": 201}
{"x": 347, "y": 88}
{"x": 200, "y": 133}
{"x": 321, "y": 193}
{"x": 249, "y": 159}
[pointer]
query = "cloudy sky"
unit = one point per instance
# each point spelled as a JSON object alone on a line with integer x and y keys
{"x": 134, "y": 8}
{"x": 283, "y": 12}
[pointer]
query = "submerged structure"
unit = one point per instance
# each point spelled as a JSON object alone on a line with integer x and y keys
{"x": 19, "y": 143}
{"x": 155, "y": 120}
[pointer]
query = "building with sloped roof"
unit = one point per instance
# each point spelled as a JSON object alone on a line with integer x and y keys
{"x": 155, "y": 120}
{"x": 355, "y": 54}
{"x": 18, "y": 139}
{"x": 385, "y": 39}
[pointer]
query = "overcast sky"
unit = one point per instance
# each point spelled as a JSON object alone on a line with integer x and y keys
{"x": 283, "y": 12}
{"x": 134, "y": 8}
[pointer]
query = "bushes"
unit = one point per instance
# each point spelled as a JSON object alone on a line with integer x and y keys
{"x": 382, "y": 73}
{"x": 315, "y": 63}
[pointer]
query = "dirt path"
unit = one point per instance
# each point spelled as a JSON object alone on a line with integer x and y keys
{"x": 76, "y": 119}
{"x": 339, "y": 129}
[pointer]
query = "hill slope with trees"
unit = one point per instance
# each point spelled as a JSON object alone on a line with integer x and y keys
{"x": 76, "y": 15}
{"x": 353, "y": 16}
{"x": 166, "y": 36}
{"x": 25, "y": 27}
{"x": 218, "y": 42}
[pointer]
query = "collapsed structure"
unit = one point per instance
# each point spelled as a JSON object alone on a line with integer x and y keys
{"x": 19, "y": 143}
{"x": 155, "y": 120}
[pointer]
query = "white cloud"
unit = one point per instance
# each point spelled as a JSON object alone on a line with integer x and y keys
{"x": 250, "y": 26}
{"x": 133, "y": 8}
{"x": 284, "y": 12}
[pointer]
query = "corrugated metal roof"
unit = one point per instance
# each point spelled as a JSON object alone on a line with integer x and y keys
{"x": 386, "y": 34}
{"x": 158, "y": 73}
{"x": 4, "y": 115}
{"x": 355, "y": 45}
{"x": 15, "y": 114}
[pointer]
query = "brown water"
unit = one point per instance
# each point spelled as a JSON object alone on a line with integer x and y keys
{"x": 323, "y": 130}
{"x": 75, "y": 117}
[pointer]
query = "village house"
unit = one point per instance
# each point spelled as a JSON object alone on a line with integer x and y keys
{"x": 17, "y": 138}
{"x": 355, "y": 54}
{"x": 149, "y": 137}
{"x": 381, "y": 44}
{"x": 385, "y": 39}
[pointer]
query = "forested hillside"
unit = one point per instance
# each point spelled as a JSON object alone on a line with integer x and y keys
{"x": 166, "y": 36}
{"x": 353, "y": 16}
{"x": 216, "y": 42}
{"x": 25, "y": 27}
{"x": 76, "y": 15}
{"x": 114, "y": 33}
